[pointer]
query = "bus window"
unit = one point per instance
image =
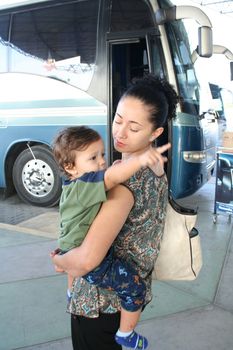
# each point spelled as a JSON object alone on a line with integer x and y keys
{"x": 194, "y": 132}
{"x": 186, "y": 78}
{"x": 130, "y": 15}
{"x": 4, "y": 29}
{"x": 58, "y": 41}
{"x": 48, "y": 56}
{"x": 158, "y": 66}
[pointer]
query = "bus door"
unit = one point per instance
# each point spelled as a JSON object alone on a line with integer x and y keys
{"x": 128, "y": 60}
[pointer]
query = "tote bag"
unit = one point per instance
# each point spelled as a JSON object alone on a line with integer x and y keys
{"x": 180, "y": 256}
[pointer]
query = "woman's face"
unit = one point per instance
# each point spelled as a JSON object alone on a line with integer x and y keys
{"x": 132, "y": 131}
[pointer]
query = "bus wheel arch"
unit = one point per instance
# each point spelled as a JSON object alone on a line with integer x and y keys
{"x": 11, "y": 156}
{"x": 36, "y": 176}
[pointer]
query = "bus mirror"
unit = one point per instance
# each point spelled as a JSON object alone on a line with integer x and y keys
{"x": 174, "y": 13}
{"x": 222, "y": 50}
{"x": 195, "y": 55}
{"x": 165, "y": 15}
{"x": 205, "y": 42}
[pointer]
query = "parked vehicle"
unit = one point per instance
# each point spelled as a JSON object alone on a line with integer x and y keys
{"x": 68, "y": 62}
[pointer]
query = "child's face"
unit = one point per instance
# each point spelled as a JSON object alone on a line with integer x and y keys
{"x": 91, "y": 159}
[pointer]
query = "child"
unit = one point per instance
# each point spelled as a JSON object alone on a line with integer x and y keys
{"x": 79, "y": 152}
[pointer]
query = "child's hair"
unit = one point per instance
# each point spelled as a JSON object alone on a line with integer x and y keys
{"x": 158, "y": 95}
{"x": 74, "y": 138}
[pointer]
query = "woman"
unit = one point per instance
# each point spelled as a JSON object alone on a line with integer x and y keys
{"x": 133, "y": 216}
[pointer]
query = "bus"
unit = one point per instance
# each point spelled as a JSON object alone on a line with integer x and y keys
{"x": 67, "y": 62}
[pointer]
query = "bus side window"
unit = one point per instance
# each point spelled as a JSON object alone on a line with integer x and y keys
{"x": 57, "y": 41}
{"x": 4, "y": 27}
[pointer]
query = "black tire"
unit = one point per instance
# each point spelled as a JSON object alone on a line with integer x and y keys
{"x": 37, "y": 179}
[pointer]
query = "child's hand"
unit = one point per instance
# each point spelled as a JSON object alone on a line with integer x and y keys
{"x": 53, "y": 255}
{"x": 154, "y": 159}
{"x": 55, "y": 252}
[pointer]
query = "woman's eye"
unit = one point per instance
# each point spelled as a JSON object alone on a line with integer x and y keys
{"x": 117, "y": 121}
{"x": 134, "y": 130}
{"x": 93, "y": 158}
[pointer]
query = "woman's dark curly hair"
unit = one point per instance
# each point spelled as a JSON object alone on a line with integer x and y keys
{"x": 158, "y": 95}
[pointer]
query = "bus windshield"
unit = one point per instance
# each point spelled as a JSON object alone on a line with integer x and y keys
{"x": 186, "y": 78}
{"x": 56, "y": 41}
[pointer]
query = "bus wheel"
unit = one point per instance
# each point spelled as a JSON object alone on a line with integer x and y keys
{"x": 36, "y": 177}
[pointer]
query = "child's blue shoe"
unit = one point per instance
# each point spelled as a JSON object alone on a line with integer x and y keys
{"x": 134, "y": 341}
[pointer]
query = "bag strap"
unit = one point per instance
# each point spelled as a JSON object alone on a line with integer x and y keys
{"x": 180, "y": 209}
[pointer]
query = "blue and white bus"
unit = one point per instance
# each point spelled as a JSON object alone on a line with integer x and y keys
{"x": 67, "y": 62}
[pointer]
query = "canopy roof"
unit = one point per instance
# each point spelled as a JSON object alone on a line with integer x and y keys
{"x": 222, "y": 6}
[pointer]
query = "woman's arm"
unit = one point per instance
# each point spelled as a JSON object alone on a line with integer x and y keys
{"x": 104, "y": 229}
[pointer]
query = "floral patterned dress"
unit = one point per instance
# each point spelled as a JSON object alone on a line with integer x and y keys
{"x": 137, "y": 243}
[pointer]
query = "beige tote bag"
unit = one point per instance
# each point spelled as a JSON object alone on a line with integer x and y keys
{"x": 180, "y": 256}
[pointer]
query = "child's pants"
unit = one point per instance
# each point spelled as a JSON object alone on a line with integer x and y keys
{"x": 114, "y": 274}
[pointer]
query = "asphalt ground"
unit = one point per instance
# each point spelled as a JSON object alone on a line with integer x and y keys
{"x": 14, "y": 211}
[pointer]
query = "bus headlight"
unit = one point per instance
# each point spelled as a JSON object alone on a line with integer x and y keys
{"x": 194, "y": 156}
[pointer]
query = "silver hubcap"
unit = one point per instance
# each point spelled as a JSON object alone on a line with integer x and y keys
{"x": 38, "y": 178}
